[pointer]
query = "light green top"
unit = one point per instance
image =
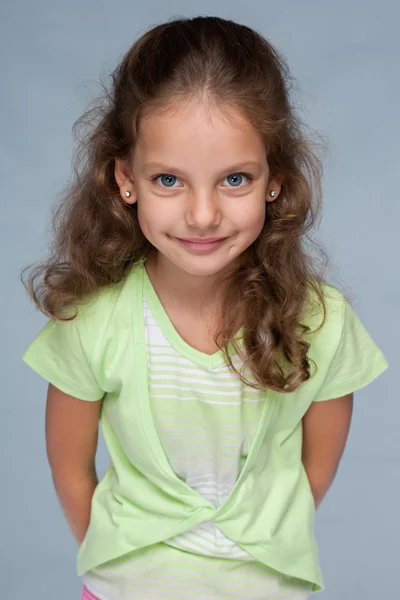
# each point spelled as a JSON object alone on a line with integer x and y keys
{"x": 269, "y": 510}
{"x": 206, "y": 419}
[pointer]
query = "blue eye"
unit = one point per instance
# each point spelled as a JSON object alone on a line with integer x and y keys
{"x": 167, "y": 180}
{"x": 236, "y": 179}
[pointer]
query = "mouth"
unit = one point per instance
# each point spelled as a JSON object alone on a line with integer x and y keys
{"x": 201, "y": 240}
{"x": 198, "y": 245}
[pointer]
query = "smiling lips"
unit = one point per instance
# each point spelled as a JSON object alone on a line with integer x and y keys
{"x": 201, "y": 245}
{"x": 201, "y": 240}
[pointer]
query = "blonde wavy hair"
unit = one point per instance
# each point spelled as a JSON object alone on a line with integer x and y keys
{"x": 97, "y": 238}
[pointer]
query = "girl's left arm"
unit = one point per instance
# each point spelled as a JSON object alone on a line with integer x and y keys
{"x": 326, "y": 427}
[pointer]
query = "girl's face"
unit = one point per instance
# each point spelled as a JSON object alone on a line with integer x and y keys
{"x": 198, "y": 173}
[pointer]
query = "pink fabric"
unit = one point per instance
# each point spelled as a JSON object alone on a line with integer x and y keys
{"x": 86, "y": 595}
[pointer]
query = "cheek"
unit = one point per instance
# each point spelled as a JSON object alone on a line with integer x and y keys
{"x": 154, "y": 218}
{"x": 251, "y": 217}
{"x": 146, "y": 220}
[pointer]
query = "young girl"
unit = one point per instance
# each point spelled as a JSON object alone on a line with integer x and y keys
{"x": 187, "y": 317}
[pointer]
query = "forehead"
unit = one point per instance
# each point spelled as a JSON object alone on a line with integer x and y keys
{"x": 186, "y": 130}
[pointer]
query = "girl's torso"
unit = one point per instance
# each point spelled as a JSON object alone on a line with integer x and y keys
{"x": 206, "y": 419}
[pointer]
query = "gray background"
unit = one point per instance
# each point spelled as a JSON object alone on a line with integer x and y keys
{"x": 346, "y": 57}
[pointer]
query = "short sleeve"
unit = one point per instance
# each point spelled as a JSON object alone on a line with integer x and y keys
{"x": 59, "y": 353}
{"x": 356, "y": 362}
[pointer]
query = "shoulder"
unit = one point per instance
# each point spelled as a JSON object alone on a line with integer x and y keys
{"x": 104, "y": 325}
{"x": 109, "y": 307}
{"x": 325, "y": 316}
{"x": 346, "y": 355}
{"x": 325, "y": 310}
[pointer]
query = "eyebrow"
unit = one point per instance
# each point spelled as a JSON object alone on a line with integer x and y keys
{"x": 231, "y": 169}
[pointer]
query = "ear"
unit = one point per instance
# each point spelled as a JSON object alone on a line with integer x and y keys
{"x": 275, "y": 184}
{"x": 123, "y": 177}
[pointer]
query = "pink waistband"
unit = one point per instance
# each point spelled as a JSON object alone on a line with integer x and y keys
{"x": 86, "y": 595}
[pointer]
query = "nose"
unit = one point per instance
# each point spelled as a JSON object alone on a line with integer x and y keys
{"x": 204, "y": 210}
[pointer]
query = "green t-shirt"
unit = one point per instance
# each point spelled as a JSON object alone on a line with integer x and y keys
{"x": 140, "y": 501}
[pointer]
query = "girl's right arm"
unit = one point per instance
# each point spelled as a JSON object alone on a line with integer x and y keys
{"x": 71, "y": 440}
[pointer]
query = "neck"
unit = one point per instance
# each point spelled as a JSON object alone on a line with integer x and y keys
{"x": 192, "y": 291}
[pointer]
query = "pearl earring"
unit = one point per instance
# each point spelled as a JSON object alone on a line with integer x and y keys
{"x": 127, "y": 194}
{"x": 272, "y": 193}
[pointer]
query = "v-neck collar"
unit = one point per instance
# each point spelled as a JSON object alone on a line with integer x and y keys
{"x": 154, "y": 445}
{"x": 210, "y": 361}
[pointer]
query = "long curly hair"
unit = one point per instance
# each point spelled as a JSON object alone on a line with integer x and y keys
{"x": 97, "y": 238}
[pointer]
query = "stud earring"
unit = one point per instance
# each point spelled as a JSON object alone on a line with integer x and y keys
{"x": 127, "y": 194}
{"x": 272, "y": 193}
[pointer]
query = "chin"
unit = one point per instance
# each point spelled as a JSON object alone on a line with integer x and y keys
{"x": 205, "y": 268}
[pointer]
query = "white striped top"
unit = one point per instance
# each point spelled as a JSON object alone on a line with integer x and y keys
{"x": 206, "y": 419}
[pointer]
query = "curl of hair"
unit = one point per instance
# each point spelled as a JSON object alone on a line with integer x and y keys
{"x": 97, "y": 237}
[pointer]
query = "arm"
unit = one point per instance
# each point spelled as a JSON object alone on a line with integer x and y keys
{"x": 71, "y": 440}
{"x": 326, "y": 427}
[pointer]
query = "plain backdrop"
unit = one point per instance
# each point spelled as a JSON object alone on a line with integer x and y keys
{"x": 345, "y": 55}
